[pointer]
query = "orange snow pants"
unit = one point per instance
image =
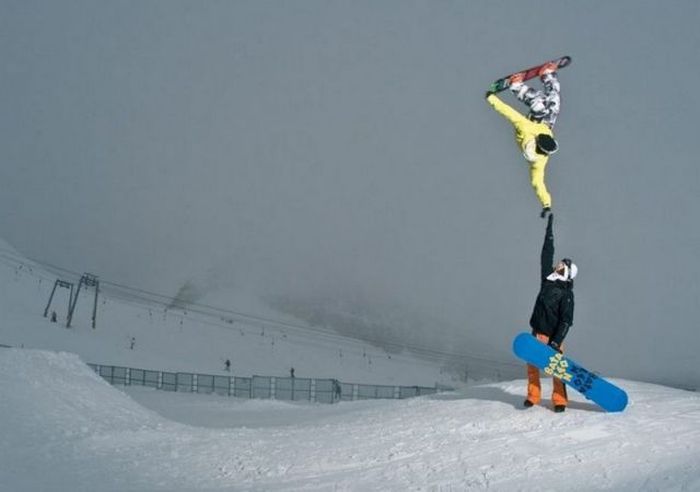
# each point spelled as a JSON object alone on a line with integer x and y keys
{"x": 534, "y": 390}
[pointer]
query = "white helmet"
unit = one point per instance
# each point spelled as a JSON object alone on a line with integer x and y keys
{"x": 571, "y": 269}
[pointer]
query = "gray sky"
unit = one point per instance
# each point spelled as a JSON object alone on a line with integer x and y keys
{"x": 329, "y": 149}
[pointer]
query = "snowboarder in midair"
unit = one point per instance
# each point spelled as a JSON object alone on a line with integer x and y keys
{"x": 552, "y": 316}
{"x": 533, "y": 133}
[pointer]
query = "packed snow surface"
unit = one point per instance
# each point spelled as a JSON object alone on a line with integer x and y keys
{"x": 64, "y": 428}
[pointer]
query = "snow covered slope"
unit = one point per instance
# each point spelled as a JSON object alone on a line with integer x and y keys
{"x": 63, "y": 428}
{"x": 177, "y": 340}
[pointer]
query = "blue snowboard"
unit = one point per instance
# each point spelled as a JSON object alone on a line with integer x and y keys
{"x": 593, "y": 387}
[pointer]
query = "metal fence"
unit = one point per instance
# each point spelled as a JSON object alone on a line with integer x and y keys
{"x": 263, "y": 387}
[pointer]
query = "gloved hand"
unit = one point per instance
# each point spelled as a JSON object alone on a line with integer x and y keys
{"x": 488, "y": 93}
{"x": 545, "y": 211}
{"x": 555, "y": 346}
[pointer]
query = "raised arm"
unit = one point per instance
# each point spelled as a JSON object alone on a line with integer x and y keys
{"x": 502, "y": 108}
{"x": 547, "y": 255}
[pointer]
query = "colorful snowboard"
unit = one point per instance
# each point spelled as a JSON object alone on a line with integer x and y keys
{"x": 592, "y": 386}
{"x": 503, "y": 83}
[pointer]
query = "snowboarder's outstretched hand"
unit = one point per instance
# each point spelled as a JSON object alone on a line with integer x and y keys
{"x": 488, "y": 93}
{"x": 546, "y": 211}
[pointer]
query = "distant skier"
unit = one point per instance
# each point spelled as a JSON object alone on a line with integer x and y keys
{"x": 552, "y": 316}
{"x": 534, "y": 133}
{"x": 337, "y": 390}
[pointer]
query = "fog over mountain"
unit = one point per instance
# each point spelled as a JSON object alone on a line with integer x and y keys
{"x": 338, "y": 157}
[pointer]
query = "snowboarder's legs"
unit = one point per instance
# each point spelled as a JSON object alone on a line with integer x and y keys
{"x": 534, "y": 388}
{"x": 544, "y": 105}
{"x": 559, "y": 396}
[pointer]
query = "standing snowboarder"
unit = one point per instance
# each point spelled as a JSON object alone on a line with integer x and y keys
{"x": 552, "y": 316}
{"x": 533, "y": 133}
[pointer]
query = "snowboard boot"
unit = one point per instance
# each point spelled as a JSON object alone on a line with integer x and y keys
{"x": 559, "y": 408}
{"x": 528, "y": 404}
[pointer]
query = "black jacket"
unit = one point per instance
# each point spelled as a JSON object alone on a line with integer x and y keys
{"x": 553, "y": 313}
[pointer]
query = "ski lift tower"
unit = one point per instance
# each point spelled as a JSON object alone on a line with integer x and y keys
{"x": 64, "y": 284}
{"x": 88, "y": 280}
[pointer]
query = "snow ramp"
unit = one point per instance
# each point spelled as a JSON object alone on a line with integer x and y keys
{"x": 64, "y": 428}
